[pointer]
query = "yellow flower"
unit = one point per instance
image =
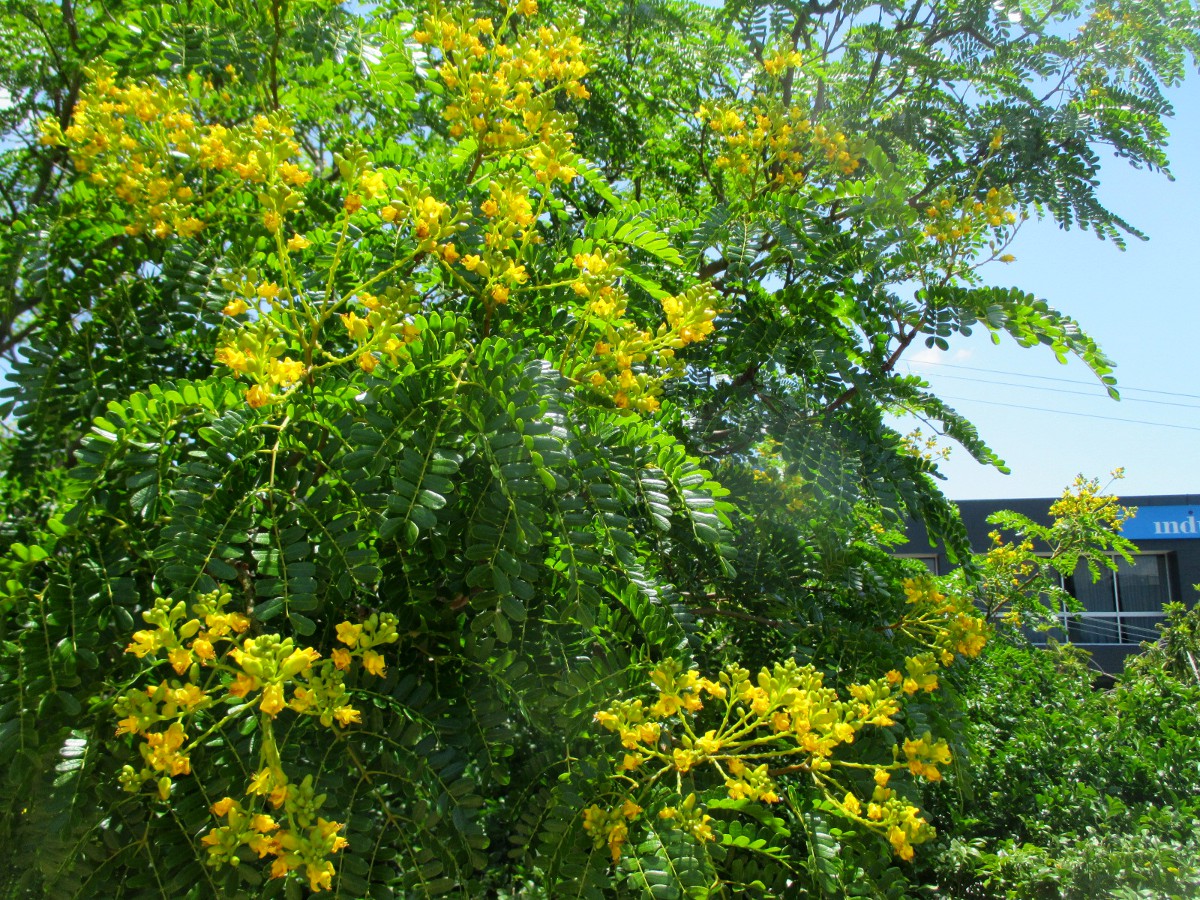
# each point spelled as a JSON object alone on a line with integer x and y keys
{"x": 263, "y": 845}
{"x": 203, "y": 648}
{"x": 900, "y": 844}
{"x": 298, "y": 242}
{"x": 349, "y": 634}
{"x": 272, "y": 700}
{"x": 286, "y": 371}
{"x": 367, "y": 362}
{"x": 341, "y": 658}
{"x": 320, "y": 876}
{"x": 302, "y": 699}
{"x": 346, "y": 715}
{"x": 357, "y": 328}
{"x": 279, "y": 795}
{"x": 145, "y": 642}
{"x": 189, "y": 227}
{"x": 299, "y": 662}
{"x": 180, "y": 659}
{"x": 618, "y": 832}
{"x": 272, "y": 220}
{"x": 268, "y": 290}
{"x": 233, "y": 358}
{"x": 372, "y": 184}
{"x": 261, "y": 783}
{"x": 470, "y": 262}
{"x": 527, "y": 7}
{"x": 242, "y": 685}
{"x": 258, "y": 396}
{"x": 294, "y": 175}
{"x": 223, "y": 806}
{"x": 189, "y": 696}
{"x": 373, "y": 663}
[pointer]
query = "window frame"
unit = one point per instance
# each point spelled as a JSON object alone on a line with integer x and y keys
{"x": 1116, "y": 619}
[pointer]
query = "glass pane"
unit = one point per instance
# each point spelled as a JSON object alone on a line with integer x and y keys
{"x": 1135, "y": 629}
{"x": 1093, "y": 630}
{"x": 1143, "y": 585}
{"x": 1095, "y": 596}
{"x": 1041, "y": 637}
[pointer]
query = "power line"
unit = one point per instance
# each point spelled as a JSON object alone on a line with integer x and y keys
{"x": 1054, "y": 390}
{"x": 1083, "y": 624}
{"x": 1063, "y": 412}
{"x": 929, "y": 362}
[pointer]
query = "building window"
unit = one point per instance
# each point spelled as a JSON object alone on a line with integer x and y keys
{"x": 929, "y": 560}
{"x": 1122, "y": 607}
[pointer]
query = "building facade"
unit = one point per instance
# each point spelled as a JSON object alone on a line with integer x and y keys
{"x": 1122, "y": 609}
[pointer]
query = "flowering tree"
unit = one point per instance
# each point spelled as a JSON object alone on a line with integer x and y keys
{"x": 449, "y": 451}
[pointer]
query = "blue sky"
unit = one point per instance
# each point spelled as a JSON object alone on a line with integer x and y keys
{"x": 1141, "y": 305}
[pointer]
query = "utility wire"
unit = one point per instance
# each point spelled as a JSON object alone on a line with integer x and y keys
{"x": 1064, "y": 412}
{"x": 930, "y": 362}
{"x": 1106, "y": 626}
{"x": 1055, "y": 390}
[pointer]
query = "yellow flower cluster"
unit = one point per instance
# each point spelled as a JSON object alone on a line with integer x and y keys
{"x": 363, "y": 181}
{"x": 1085, "y": 500}
{"x": 958, "y": 222}
{"x": 302, "y": 842}
{"x": 689, "y": 319}
{"x": 689, "y": 818}
{"x": 257, "y": 346}
{"x": 924, "y": 755}
{"x": 1010, "y": 564}
{"x": 503, "y": 82}
{"x": 497, "y": 271}
{"x": 433, "y": 224}
{"x": 775, "y": 147}
{"x": 264, "y": 676}
{"x": 946, "y": 625}
{"x": 783, "y": 721}
{"x": 144, "y": 142}
{"x": 922, "y": 446}
{"x": 610, "y": 826}
{"x": 776, "y": 63}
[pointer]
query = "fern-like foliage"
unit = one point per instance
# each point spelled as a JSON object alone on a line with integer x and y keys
{"x": 660, "y": 430}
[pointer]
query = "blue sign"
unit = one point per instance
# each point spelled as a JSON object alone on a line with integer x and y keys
{"x": 1163, "y": 523}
